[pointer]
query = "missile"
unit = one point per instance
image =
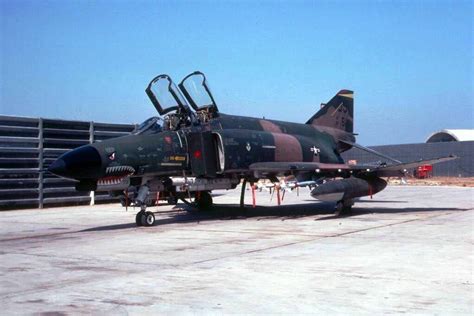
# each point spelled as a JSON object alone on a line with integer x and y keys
{"x": 349, "y": 188}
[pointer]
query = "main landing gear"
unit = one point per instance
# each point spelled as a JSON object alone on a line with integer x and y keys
{"x": 203, "y": 200}
{"x": 343, "y": 207}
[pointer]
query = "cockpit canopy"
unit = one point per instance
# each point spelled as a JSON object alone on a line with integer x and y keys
{"x": 196, "y": 90}
{"x": 166, "y": 97}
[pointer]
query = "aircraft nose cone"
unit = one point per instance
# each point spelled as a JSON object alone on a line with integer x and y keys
{"x": 81, "y": 163}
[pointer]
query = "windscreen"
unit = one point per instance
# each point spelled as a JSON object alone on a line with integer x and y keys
{"x": 151, "y": 125}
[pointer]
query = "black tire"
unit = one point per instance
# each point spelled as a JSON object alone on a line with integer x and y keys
{"x": 148, "y": 219}
{"x": 138, "y": 218}
{"x": 347, "y": 210}
{"x": 205, "y": 201}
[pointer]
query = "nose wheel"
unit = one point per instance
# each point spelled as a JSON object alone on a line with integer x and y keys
{"x": 145, "y": 218}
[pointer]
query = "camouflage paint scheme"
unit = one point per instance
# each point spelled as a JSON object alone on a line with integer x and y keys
{"x": 207, "y": 144}
{"x": 246, "y": 141}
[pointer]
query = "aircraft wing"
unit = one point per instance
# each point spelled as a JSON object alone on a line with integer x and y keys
{"x": 328, "y": 169}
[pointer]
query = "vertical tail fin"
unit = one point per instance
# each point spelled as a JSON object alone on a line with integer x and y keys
{"x": 338, "y": 113}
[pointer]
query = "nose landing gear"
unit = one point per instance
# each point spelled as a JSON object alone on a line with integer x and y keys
{"x": 144, "y": 217}
{"x": 202, "y": 201}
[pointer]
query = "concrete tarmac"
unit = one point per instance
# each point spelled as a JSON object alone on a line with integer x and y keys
{"x": 408, "y": 250}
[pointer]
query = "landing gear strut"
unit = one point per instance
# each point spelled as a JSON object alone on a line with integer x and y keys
{"x": 242, "y": 193}
{"x": 343, "y": 207}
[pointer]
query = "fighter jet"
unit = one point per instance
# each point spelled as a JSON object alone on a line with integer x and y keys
{"x": 192, "y": 148}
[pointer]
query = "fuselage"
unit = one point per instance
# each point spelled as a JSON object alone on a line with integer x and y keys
{"x": 234, "y": 143}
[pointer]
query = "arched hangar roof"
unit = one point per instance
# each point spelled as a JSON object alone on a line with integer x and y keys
{"x": 451, "y": 135}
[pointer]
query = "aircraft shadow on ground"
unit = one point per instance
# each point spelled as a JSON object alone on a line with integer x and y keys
{"x": 186, "y": 214}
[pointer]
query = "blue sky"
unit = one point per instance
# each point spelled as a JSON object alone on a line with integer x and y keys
{"x": 409, "y": 62}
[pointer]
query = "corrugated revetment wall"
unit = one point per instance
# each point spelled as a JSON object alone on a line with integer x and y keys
{"x": 30, "y": 145}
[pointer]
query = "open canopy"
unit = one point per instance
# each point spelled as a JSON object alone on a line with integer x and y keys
{"x": 165, "y": 96}
{"x": 196, "y": 90}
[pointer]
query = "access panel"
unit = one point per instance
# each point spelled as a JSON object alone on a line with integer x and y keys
{"x": 202, "y": 154}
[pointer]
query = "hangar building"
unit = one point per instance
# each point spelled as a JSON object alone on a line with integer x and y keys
{"x": 451, "y": 135}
